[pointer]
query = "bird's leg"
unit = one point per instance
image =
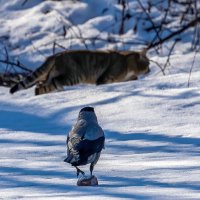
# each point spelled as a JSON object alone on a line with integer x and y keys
{"x": 79, "y": 171}
{"x": 91, "y": 169}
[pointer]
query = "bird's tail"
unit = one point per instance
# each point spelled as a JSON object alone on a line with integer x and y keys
{"x": 67, "y": 160}
{"x": 70, "y": 159}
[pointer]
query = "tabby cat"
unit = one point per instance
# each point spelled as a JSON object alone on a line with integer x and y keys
{"x": 84, "y": 66}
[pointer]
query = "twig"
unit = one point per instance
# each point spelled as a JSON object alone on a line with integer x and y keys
{"x": 121, "y": 30}
{"x": 7, "y": 57}
{"x": 25, "y": 1}
{"x": 191, "y": 68}
{"x": 108, "y": 39}
{"x": 153, "y": 61}
{"x": 56, "y": 44}
{"x": 15, "y": 64}
{"x": 150, "y": 19}
{"x": 71, "y": 28}
{"x": 169, "y": 54}
{"x": 37, "y": 49}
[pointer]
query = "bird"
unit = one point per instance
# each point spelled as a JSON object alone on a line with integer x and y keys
{"x": 85, "y": 141}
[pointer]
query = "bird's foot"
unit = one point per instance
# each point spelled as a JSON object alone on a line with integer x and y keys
{"x": 79, "y": 171}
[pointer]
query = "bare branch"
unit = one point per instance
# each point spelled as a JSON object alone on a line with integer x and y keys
{"x": 169, "y": 54}
{"x": 150, "y": 19}
{"x": 191, "y": 68}
{"x": 173, "y": 34}
{"x": 153, "y": 61}
{"x": 15, "y": 64}
{"x": 121, "y": 30}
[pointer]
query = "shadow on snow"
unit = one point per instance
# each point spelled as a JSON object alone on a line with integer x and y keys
{"x": 19, "y": 121}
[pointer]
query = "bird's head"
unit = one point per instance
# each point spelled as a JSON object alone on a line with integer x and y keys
{"x": 88, "y": 114}
{"x": 87, "y": 109}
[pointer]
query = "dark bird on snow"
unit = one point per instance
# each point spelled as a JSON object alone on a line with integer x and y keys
{"x": 85, "y": 141}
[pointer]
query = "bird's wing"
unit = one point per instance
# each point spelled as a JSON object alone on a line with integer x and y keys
{"x": 76, "y": 134}
{"x": 84, "y": 140}
{"x": 92, "y": 141}
{"x": 93, "y": 132}
{"x": 74, "y": 139}
{"x": 78, "y": 129}
{"x": 72, "y": 150}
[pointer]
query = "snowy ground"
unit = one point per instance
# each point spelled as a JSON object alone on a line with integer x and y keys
{"x": 151, "y": 125}
{"x": 152, "y": 141}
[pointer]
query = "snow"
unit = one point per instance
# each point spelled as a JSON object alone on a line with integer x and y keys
{"x": 151, "y": 125}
